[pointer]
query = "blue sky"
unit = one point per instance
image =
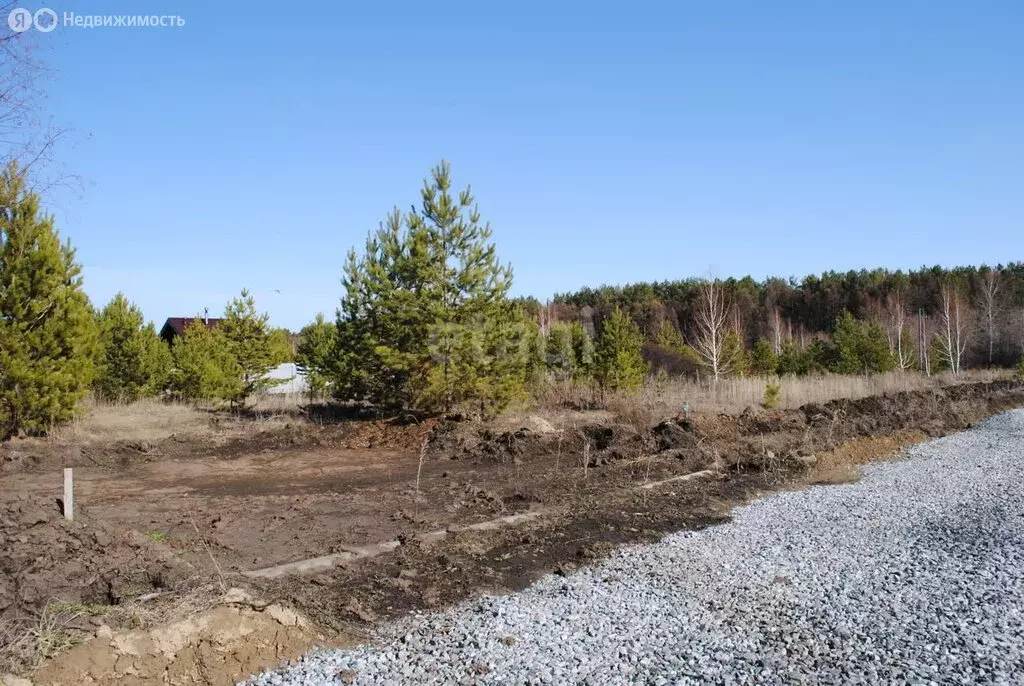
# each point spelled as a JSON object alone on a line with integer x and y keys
{"x": 605, "y": 142}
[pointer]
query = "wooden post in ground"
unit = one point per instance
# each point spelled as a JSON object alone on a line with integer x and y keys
{"x": 69, "y": 494}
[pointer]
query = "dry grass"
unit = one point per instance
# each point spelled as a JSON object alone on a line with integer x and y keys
{"x": 567, "y": 402}
{"x": 145, "y": 420}
{"x": 26, "y": 644}
{"x": 153, "y": 420}
{"x": 736, "y": 394}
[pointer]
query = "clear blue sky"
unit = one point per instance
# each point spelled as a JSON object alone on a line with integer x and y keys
{"x": 606, "y": 142}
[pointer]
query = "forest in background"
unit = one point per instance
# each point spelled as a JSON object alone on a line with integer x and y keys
{"x": 985, "y": 303}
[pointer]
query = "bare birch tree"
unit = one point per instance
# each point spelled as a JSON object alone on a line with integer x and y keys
{"x": 990, "y": 282}
{"x": 710, "y": 327}
{"x": 896, "y": 324}
{"x": 776, "y": 330}
{"x": 953, "y": 336}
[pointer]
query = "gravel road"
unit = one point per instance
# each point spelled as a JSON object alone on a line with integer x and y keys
{"x": 914, "y": 575}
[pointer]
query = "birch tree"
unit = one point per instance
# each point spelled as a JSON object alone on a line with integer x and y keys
{"x": 711, "y": 329}
{"x": 990, "y": 283}
{"x": 953, "y": 334}
{"x": 896, "y": 325}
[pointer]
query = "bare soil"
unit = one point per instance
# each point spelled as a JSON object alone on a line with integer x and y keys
{"x": 165, "y": 515}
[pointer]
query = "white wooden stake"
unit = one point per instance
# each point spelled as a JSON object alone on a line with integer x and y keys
{"x": 69, "y": 494}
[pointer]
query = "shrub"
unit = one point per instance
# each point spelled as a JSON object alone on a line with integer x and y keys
{"x": 772, "y": 396}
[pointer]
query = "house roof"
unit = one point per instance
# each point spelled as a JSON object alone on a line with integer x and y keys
{"x": 175, "y": 326}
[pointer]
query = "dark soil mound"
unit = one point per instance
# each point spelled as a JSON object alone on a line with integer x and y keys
{"x": 44, "y": 557}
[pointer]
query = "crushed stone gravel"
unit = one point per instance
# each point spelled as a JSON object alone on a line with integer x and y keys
{"x": 913, "y": 575}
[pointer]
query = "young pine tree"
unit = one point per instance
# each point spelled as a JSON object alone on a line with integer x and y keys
{"x": 561, "y": 356}
{"x": 583, "y": 351}
{"x": 316, "y": 354}
{"x": 847, "y": 341}
{"x": 860, "y": 347}
{"x": 618, "y": 358}
{"x": 204, "y": 369}
{"x": 47, "y": 330}
{"x": 133, "y": 362}
{"x": 763, "y": 360}
{"x": 669, "y": 338}
{"x": 421, "y": 304}
{"x": 535, "y": 353}
{"x": 281, "y": 349}
{"x": 247, "y": 338}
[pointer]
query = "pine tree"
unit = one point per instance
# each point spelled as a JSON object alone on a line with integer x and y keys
{"x": 618, "y": 358}
{"x": 423, "y": 303}
{"x": 668, "y": 337}
{"x": 561, "y": 356}
{"x": 861, "y": 347}
{"x": 247, "y": 338}
{"x": 133, "y": 362}
{"x": 793, "y": 360}
{"x": 875, "y": 353}
{"x": 847, "y": 339}
{"x": 316, "y": 354}
{"x": 47, "y": 330}
{"x": 763, "y": 360}
{"x": 204, "y": 368}
{"x": 583, "y": 350}
{"x": 159, "y": 361}
{"x": 536, "y": 372}
{"x": 732, "y": 349}
{"x": 281, "y": 348}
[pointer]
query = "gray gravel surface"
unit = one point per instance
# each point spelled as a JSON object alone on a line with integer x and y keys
{"x": 914, "y": 575}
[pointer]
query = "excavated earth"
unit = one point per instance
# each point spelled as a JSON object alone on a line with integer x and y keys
{"x": 154, "y": 522}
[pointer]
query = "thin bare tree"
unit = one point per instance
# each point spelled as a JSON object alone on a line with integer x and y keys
{"x": 990, "y": 305}
{"x": 28, "y": 134}
{"x": 924, "y": 362}
{"x": 953, "y": 335}
{"x": 896, "y": 324}
{"x": 710, "y": 328}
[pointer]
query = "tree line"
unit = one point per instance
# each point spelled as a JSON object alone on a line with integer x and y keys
{"x": 426, "y": 324}
{"x": 931, "y": 319}
{"x": 55, "y": 348}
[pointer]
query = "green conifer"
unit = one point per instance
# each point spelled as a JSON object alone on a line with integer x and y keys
{"x": 204, "y": 368}
{"x": 618, "y": 358}
{"x": 316, "y": 354}
{"x": 133, "y": 361}
{"x": 424, "y": 304}
{"x": 763, "y": 360}
{"x": 247, "y": 337}
{"x": 47, "y": 329}
{"x": 561, "y": 356}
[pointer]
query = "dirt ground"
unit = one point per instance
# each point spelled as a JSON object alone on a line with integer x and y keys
{"x": 157, "y": 519}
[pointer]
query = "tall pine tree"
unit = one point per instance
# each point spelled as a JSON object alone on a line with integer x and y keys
{"x": 47, "y": 330}
{"x": 425, "y": 323}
